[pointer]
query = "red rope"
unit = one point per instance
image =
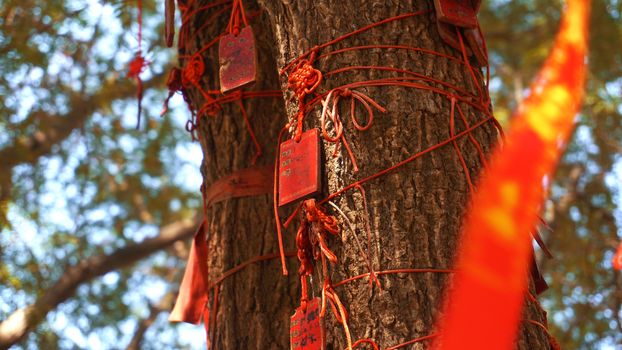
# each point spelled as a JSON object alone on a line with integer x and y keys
{"x": 343, "y": 37}
{"x": 365, "y": 341}
{"x": 413, "y": 341}
{"x": 452, "y": 132}
{"x": 139, "y": 63}
{"x": 218, "y": 281}
{"x": 304, "y": 80}
{"x": 237, "y": 15}
{"x": 333, "y": 114}
{"x": 247, "y": 122}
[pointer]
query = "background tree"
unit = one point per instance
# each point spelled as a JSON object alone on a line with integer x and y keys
{"x": 70, "y": 114}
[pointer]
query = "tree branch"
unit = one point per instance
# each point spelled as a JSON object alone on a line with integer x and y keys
{"x": 53, "y": 129}
{"x": 24, "y": 320}
{"x": 154, "y": 310}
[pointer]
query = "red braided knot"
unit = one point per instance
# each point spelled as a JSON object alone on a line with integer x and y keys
{"x": 321, "y": 224}
{"x": 311, "y": 243}
{"x": 193, "y": 71}
{"x": 315, "y": 224}
{"x": 137, "y": 66}
{"x": 303, "y": 81}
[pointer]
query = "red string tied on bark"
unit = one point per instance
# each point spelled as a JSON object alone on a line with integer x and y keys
{"x": 210, "y": 108}
{"x": 320, "y": 224}
{"x": 303, "y": 81}
{"x": 311, "y": 242}
{"x": 369, "y": 341}
{"x": 311, "y": 236}
{"x": 237, "y": 15}
{"x": 191, "y": 76}
{"x": 341, "y": 315}
{"x": 304, "y": 253}
{"x": 193, "y": 71}
{"x": 333, "y": 114}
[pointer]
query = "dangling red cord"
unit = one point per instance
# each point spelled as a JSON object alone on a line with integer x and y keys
{"x": 139, "y": 63}
{"x": 617, "y": 259}
{"x": 303, "y": 80}
{"x": 237, "y": 14}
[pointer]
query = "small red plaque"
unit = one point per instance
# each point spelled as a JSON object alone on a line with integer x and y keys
{"x": 238, "y": 60}
{"x": 460, "y": 13}
{"x": 305, "y": 331}
{"x": 299, "y": 167}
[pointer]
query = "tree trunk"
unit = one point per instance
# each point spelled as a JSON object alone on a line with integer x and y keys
{"x": 414, "y": 212}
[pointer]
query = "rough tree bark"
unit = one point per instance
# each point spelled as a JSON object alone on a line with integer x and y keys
{"x": 415, "y": 212}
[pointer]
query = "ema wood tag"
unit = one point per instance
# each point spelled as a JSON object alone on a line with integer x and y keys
{"x": 299, "y": 167}
{"x": 238, "y": 60}
{"x": 305, "y": 331}
{"x": 460, "y": 13}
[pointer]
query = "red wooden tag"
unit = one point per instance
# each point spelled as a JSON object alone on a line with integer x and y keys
{"x": 476, "y": 42}
{"x": 299, "y": 167}
{"x": 238, "y": 60}
{"x": 306, "y": 331}
{"x": 460, "y": 13}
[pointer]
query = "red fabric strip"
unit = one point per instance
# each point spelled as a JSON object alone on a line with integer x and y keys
{"x": 192, "y": 298}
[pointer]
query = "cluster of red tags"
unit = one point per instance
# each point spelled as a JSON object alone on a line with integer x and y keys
{"x": 236, "y": 49}
{"x": 298, "y": 172}
{"x": 298, "y": 168}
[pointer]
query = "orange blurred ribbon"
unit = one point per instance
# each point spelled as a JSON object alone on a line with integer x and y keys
{"x": 483, "y": 309}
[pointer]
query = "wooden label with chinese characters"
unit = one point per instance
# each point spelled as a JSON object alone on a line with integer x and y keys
{"x": 306, "y": 331}
{"x": 460, "y": 13}
{"x": 299, "y": 167}
{"x": 238, "y": 60}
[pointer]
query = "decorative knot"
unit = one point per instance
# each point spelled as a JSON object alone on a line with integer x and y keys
{"x": 137, "y": 66}
{"x": 304, "y": 79}
{"x": 316, "y": 214}
{"x": 319, "y": 225}
{"x": 193, "y": 71}
{"x": 210, "y": 108}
